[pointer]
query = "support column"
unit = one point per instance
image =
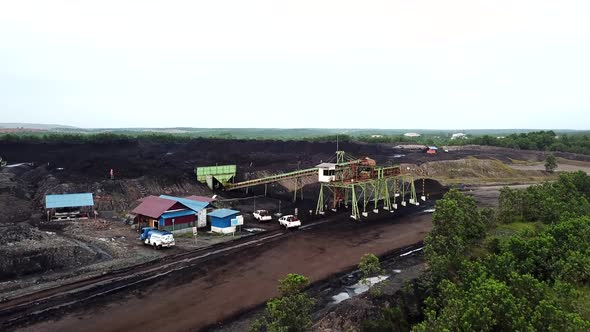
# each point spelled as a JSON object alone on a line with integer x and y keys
{"x": 320, "y": 206}
{"x": 355, "y": 207}
{"x": 386, "y": 197}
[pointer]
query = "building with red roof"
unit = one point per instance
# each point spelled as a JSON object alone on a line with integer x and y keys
{"x": 164, "y": 214}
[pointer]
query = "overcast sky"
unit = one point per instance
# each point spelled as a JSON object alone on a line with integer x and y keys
{"x": 344, "y": 64}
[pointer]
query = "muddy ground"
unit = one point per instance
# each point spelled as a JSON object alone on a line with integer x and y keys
{"x": 224, "y": 288}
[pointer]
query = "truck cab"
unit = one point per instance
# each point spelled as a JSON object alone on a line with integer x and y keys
{"x": 144, "y": 232}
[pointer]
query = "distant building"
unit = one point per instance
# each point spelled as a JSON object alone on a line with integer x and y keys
{"x": 432, "y": 150}
{"x": 412, "y": 135}
{"x": 414, "y": 147}
{"x": 69, "y": 206}
{"x": 459, "y": 136}
{"x": 376, "y": 136}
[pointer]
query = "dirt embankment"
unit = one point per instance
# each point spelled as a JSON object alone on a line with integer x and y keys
{"x": 478, "y": 171}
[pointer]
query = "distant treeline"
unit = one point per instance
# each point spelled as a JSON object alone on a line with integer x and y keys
{"x": 538, "y": 140}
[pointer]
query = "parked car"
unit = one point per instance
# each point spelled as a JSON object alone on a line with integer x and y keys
{"x": 156, "y": 238}
{"x": 262, "y": 215}
{"x": 289, "y": 221}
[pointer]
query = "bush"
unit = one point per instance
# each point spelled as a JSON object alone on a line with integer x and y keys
{"x": 291, "y": 311}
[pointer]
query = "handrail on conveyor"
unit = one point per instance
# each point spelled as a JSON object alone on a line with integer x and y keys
{"x": 269, "y": 179}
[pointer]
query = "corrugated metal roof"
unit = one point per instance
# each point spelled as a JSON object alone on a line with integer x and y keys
{"x": 222, "y": 213}
{"x": 68, "y": 200}
{"x": 191, "y": 204}
{"x": 177, "y": 214}
{"x": 153, "y": 206}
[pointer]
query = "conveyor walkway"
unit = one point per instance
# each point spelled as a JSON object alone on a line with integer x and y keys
{"x": 272, "y": 178}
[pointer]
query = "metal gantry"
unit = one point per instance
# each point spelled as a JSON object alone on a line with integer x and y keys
{"x": 362, "y": 185}
{"x": 350, "y": 182}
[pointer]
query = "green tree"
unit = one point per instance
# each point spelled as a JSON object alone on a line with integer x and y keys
{"x": 291, "y": 311}
{"x": 391, "y": 320}
{"x": 529, "y": 281}
{"x": 370, "y": 266}
{"x": 292, "y": 284}
{"x": 550, "y": 163}
{"x": 457, "y": 224}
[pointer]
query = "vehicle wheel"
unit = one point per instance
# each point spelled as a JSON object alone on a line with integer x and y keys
{"x": 155, "y": 246}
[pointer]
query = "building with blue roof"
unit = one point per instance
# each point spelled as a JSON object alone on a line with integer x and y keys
{"x": 221, "y": 220}
{"x": 69, "y": 206}
{"x": 191, "y": 204}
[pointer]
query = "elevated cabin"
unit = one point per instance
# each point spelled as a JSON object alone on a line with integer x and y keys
{"x": 69, "y": 206}
{"x": 326, "y": 172}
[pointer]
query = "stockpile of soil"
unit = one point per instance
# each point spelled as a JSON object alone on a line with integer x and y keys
{"x": 73, "y": 162}
{"x": 26, "y": 250}
{"x": 470, "y": 168}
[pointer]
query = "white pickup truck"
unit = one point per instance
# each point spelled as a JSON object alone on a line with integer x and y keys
{"x": 262, "y": 215}
{"x": 289, "y": 221}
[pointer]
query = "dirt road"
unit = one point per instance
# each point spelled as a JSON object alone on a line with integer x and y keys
{"x": 567, "y": 166}
{"x": 221, "y": 289}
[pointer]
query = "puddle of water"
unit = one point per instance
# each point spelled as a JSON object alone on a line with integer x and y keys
{"x": 340, "y": 297}
{"x": 357, "y": 289}
{"x": 254, "y": 230}
{"x": 410, "y": 252}
{"x": 361, "y": 287}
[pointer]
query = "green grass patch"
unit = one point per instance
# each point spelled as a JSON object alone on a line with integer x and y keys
{"x": 478, "y": 251}
{"x": 518, "y": 228}
{"x": 504, "y": 231}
